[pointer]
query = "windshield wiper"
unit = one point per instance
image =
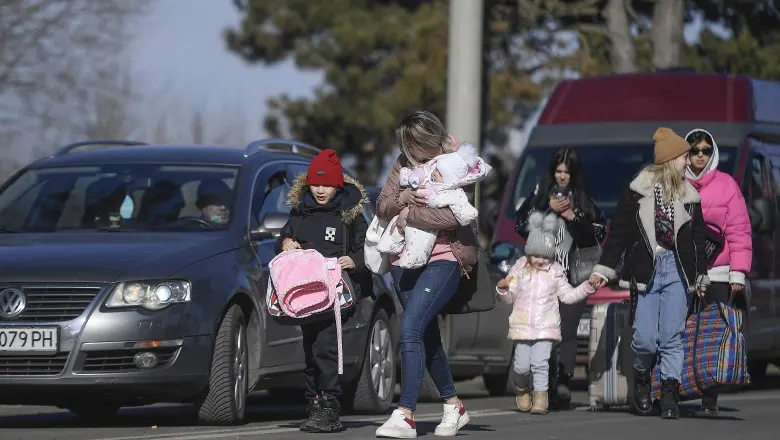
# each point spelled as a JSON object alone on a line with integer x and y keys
{"x": 7, "y": 231}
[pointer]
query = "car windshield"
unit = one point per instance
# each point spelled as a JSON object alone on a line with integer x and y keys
{"x": 119, "y": 197}
{"x": 607, "y": 169}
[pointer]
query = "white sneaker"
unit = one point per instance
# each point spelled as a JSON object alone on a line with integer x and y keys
{"x": 399, "y": 425}
{"x": 454, "y": 418}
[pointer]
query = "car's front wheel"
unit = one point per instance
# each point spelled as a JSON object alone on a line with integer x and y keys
{"x": 375, "y": 388}
{"x": 224, "y": 401}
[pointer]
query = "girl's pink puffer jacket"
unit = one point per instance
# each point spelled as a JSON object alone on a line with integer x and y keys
{"x": 535, "y": 312}
{"x": 723, "y": 204}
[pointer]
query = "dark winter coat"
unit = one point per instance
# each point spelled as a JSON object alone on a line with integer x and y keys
{"x": 329, "y": 228}
{"x": 632, "y": 231}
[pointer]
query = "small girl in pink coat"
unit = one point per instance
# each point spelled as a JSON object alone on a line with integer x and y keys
{"x": 534, "y": 286}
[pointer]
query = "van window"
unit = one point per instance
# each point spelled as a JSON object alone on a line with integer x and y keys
{"x": 607, "y": 170}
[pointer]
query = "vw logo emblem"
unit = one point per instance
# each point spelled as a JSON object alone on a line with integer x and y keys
{"x": 12, "y": 302}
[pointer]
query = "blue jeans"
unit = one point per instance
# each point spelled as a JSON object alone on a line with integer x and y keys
{"x": 660, "y": 320}
{"x": 423, "y": 293}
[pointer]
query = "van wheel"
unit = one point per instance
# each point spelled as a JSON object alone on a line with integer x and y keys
{"x": 224, "y": 401}
{"x": 375, "y": 388}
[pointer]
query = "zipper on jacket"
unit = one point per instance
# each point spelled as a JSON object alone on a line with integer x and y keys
{"x": 679, "y": 260}
{"x": 647, "y": 243}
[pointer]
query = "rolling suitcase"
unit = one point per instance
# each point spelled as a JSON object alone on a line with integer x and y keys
{"x": 610, "y": 374}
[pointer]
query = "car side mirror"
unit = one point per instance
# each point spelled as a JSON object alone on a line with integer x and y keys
{"x": 270, "y": 226}
{"x": 761, "y": 216}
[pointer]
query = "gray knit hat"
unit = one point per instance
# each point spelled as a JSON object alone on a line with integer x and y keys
{"x": 541, "y": 235}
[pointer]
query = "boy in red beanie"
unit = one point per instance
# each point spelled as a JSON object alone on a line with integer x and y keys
{"x": 327, "y": 216}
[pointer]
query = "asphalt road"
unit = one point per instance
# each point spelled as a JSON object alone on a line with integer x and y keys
{"x": 748, "y": 415}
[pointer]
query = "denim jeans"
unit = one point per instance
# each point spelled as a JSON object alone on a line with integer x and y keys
{"x": 423, "y": 293}
{"x": 660, "y": 320}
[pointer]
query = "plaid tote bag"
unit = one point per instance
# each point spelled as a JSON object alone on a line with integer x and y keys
{"x": 714, "y": 350}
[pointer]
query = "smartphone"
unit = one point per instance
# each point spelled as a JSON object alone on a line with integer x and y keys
{"x": 561, "y": 192}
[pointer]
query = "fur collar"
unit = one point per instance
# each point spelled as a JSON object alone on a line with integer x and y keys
{"x": 347, "y": 215}
{"x": 643, "y": 185}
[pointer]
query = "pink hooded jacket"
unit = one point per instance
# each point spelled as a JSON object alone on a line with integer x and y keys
{"x": 723, "y": 204}
{"x": 535, "y": 296}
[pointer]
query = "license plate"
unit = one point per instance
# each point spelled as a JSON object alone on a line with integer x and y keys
{"x": 40, "y": 339}
{"x": 583, "y": 329}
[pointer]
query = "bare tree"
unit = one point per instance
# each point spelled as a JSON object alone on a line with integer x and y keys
{"x": 199, "y": 127}
{"x": 53, "y": 55}
{"x": 622, "y": 50}
{"x": 667, "y": 33}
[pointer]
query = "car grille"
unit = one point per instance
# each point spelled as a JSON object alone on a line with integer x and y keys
{"x": 33, "y": 365}
{"x": 56, "y": 302}
{"x": 116, "y": 361}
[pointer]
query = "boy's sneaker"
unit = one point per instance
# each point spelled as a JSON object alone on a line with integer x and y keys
{"x": 454, "y": 418}
{"x": 323, "y": 415}
{"x": 399, "y": 425}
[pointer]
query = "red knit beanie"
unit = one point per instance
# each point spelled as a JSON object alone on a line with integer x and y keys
{"x": 325, "y": 170}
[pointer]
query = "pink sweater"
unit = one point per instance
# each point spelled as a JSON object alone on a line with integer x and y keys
{"x": 442, "y": 251}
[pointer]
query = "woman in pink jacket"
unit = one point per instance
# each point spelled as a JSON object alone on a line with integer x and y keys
{"x": 723, "y": 205}
{"x": 534, "y": 286}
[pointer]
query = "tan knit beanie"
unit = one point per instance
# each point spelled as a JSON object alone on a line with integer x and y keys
{"x": 668, "y": 145}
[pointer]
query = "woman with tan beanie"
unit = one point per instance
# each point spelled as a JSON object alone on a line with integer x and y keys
{"x": 659, "y": 224}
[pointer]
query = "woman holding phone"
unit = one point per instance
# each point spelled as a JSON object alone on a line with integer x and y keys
{"x": 562, "y": 191}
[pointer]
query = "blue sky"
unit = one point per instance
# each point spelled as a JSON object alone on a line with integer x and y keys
{"x": 179, "y": 59}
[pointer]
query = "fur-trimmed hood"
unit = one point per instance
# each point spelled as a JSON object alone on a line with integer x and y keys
{"x": 643, "y": 185}
{"x": 352, "y": 203}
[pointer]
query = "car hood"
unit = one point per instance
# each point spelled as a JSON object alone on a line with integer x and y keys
{"x": 103, "y": 257}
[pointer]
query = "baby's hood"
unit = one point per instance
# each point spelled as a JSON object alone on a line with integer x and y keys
{"x": 462, "y": 167}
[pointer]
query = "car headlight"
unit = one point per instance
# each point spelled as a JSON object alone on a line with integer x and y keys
{"x": 505, "y": 254}
{"x": 149, "y": 295}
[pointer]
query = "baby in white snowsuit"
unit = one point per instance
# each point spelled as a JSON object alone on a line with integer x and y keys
{"x": 441, "y": 180}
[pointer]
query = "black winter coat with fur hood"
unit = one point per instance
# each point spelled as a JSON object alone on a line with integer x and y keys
{"x": 330, "y": 228}
{"x": 632, "y": 231}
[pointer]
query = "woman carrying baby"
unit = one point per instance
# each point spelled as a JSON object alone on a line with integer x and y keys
{"x": 425, "y": 291}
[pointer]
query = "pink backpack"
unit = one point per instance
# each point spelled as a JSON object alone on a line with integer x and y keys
{"x": 304, "y": 283}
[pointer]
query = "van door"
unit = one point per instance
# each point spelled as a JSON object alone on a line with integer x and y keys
{"x": 759, "y": 188}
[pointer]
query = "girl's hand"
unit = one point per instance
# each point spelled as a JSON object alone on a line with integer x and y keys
{"x": 596, "y": 281}
{"x": 503, "y": 284}
{"x": 289, "y": 244}
{"x": 736, "y": 288}
{"x": 559, "y": 205}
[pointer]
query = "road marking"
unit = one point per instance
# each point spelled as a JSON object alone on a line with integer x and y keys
{"x": 243, "y": 432}
{"x": 723, "y": 398}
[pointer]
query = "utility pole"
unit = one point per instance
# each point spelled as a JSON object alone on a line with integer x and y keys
{"x": 464, "y": 72}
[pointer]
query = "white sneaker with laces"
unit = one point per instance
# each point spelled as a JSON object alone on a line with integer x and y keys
{"x": 399, "y": 425}
{"x": 454, "y": 418}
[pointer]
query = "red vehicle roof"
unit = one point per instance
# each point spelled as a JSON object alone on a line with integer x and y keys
{"x": 648, "y": 97}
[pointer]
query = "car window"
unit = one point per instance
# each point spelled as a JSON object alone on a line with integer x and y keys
{"x": 271, "y": 188}
{"x": 623, "y": 162}
{"x": 119, "y": 197}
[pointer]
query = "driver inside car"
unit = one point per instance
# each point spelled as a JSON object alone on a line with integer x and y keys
{"x": 213, "y": 200}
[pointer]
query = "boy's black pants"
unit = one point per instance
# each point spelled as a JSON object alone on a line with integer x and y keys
{"x": 320, "y": 348}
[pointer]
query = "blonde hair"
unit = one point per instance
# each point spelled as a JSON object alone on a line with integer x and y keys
{"x": 672, "y": 183}
{"x": 421, "y": 135}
